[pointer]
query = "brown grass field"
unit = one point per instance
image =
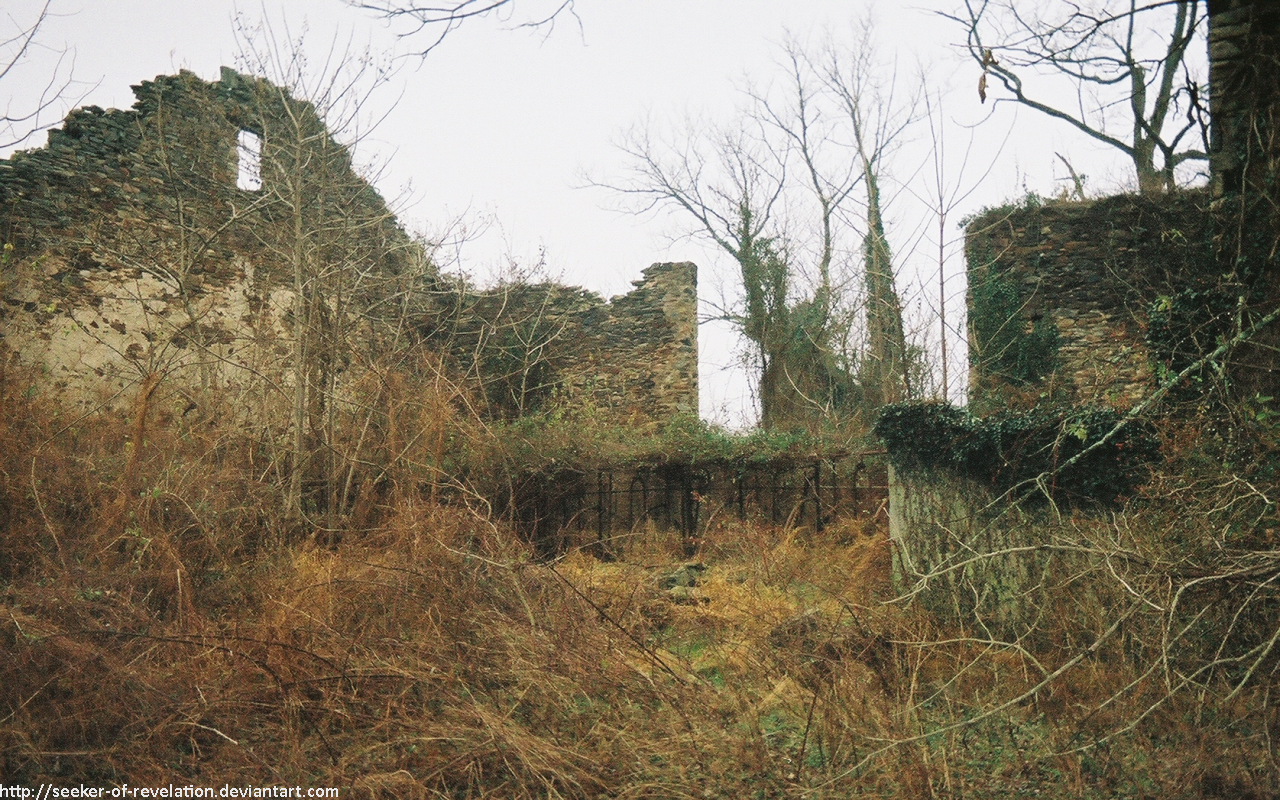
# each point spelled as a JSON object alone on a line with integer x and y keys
{"x": 163, "y": 623}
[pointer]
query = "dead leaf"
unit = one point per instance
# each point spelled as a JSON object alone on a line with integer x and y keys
{"x": 988, "y": 61}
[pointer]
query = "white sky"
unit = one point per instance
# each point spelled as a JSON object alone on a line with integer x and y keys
{"x": 504, "y": 123}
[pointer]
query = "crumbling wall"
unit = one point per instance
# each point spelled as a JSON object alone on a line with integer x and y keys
{"x": 528, "y": 347}
{"x": 639, "y": 354}
{"x": 133, "y": 254}
{"x": 1098, "y": 302}
{"x": 1109, "y": 281}
{"x": 1060, "y": 293}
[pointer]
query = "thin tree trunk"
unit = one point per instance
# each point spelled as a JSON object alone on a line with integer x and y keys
{"x": 885, "y": 376}
{"x": 942, "y": 298}
{"x": 294, "y": 499}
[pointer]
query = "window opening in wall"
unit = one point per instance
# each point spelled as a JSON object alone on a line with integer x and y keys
{"x": 249, "y": 168}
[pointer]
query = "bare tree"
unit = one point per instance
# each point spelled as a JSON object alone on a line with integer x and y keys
{"x": 876, "y": 119}
{"x": 729, "y": 182}
{"x": 436, "y": 21}
{"x": 1135, "y": 89}
{"x": 947, "y": 188}
{"x": 327, "y": 222}
{"x": 777, "y": 191}
{"x": 52, "y": 93}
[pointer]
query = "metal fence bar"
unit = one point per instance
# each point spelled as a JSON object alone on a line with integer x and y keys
{"x": 819, "y": 492}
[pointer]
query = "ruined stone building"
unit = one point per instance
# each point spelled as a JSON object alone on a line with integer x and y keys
{"x": 1079, "y": 311}
{"x": 1095, "y": 301}
{"x": 167, "y": 244}
{"x": 215, "y": 245}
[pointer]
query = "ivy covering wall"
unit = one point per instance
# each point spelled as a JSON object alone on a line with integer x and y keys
{"x": 1003, "y": 346}
{"x": 1024, "y": 452}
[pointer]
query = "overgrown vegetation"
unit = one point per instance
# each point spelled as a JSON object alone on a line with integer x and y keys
{"x": 1001, "y": 341}
{"x": 165, "y": 622}
{"x": 567, "y": 438}
{"x": 1010, "y": 451}
{"x": 173, "y": 615}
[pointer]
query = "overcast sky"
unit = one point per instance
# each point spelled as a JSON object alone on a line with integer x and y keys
{"x": 502, "y": 125}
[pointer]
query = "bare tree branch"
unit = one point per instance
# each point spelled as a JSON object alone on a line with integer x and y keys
{"x": 19, "y": 122}
{"x": 777, "y": 190}
{"x": 439, "y": 20}
{"x": 1118, "y": 63}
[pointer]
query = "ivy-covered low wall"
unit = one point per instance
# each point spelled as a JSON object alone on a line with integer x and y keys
{"x": 973, "y": 502}
{"x": 1027, "y": 455}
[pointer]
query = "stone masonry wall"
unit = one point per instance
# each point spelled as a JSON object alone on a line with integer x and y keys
{"x": 527, "y": 347}
{"x": 640, "y": 352}
{"x": 1244, "y": 62}
{"x": 1085, "y": 273}
{"x": 131, "y": 253}
{"x": 1093, "y": 272}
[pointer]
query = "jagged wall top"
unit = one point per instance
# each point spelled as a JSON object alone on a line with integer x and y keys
{"x": 136, "y": 252}
{"x": 634, "y": 358}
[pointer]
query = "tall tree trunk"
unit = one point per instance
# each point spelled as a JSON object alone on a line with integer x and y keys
{"x": 884, "y": 374}
{"x": 1151, "y": 181}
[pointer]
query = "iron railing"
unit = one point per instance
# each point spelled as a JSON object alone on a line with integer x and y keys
{"x": 580, "y": 508}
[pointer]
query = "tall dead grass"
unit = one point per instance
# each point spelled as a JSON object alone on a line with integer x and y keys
{"x": 161, "y": 623}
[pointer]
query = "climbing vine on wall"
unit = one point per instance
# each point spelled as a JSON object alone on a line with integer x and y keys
{"x": 1184, "y": 326}
{"x": 1003, "y": 345}
{"x": 1010, "y": 450}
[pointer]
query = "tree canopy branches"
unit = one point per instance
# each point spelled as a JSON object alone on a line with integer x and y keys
{"x": 1128, "y": 63}
{"x": 438, "y": 20}
{"x": 780, "y": 190}
{"x": 17, "y": 47}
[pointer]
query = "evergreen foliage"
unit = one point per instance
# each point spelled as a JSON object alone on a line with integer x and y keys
{"x": 1184, "y": 326}
{"x": 1008, "y": 451}
{"x": 1003, "y": 345}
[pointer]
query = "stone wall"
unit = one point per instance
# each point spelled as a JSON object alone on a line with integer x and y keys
{"x": 981, "y": 560}
{"x": 132, "y": 254}
{"x": 527, "y": 347}
{"x": 1244, "y": 70}
{"x": 640, "y": 352}
{"x": 1092, "y": 303}
{"x": 1090, "y": 272}
{"x": 1084, "y": 274}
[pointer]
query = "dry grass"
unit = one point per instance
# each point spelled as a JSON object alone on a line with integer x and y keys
{"x": 161, "y": 624}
